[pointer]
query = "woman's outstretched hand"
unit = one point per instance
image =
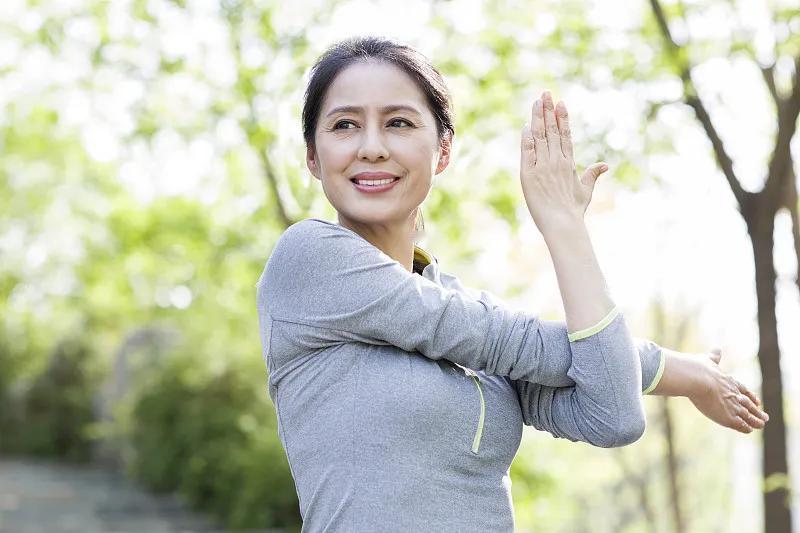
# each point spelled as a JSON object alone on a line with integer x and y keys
{"x": 554, "y": 193}
{"x": 725, "y": 400}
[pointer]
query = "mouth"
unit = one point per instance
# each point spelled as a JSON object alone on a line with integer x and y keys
{"x": 373, "y": 183}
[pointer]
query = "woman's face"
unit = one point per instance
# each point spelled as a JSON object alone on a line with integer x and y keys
{"x": 375, "y": 119}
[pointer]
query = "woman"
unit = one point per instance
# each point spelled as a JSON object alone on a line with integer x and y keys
{"x": 401, "y": 395}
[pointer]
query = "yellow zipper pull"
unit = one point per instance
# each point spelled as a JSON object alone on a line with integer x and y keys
{"x": 476, "y": 442}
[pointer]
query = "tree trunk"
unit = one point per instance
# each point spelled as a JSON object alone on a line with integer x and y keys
{"x": 672, "y": 467}
{"x": 639, "y": 481}
{"x": 777, "y": 504}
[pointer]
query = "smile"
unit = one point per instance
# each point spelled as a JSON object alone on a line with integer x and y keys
{"x": 372, "y": 185}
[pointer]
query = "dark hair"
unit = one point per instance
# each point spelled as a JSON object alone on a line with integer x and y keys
{"x": 344, "y": 53}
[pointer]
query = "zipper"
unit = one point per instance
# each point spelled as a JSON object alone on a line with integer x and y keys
{"x": 476, "y": 442}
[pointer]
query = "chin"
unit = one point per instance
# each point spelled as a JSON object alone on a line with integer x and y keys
{"x": 376, "y": 217}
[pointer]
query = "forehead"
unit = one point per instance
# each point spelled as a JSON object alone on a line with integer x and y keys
{"x": 373, "y": 84}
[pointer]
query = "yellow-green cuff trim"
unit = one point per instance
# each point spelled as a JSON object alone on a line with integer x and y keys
{"x": 588, "y": 332}
{"x": 659, "y": 373}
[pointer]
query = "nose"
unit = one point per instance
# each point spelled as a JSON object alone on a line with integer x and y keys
{"x": 372, "y": 146}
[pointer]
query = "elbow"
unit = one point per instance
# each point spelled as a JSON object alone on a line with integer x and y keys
{"x": 631, "y": 427}
{"x": 631, "y": 432}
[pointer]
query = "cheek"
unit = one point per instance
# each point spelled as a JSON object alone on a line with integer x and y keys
{"x": 333, "y": 158}
{"x": 418, "y": 151}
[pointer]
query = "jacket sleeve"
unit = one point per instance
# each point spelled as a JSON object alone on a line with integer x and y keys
{"x": 325, "y": 285}
{"x": 556, "y": 360}
{"x": 604, "y": 406}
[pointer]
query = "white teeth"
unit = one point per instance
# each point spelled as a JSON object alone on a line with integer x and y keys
{"x": 375, "y": 182}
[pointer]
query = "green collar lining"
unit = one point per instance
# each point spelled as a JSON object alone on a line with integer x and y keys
{"x": 422, "y": 256}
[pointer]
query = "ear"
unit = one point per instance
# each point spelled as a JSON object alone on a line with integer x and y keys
{"x": 444, "y": 153}
{"x": 311, "y": 161}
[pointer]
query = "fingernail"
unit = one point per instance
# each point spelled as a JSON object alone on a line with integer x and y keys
{"x": 538, "y": 106}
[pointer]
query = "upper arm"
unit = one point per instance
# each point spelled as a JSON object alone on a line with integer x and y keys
{"x": 341, "y": 288}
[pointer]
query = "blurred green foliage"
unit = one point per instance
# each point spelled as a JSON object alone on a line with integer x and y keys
{"x": 50, "y": 414}
{"x": 100, "y": 241}
{"x": 211, "y": 436}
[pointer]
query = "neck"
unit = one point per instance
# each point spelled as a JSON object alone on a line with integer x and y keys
{"x": 395, "y": 239}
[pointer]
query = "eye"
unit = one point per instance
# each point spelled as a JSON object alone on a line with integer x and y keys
{"x": 395, "y": 120}
{"x": 336, "y": 126}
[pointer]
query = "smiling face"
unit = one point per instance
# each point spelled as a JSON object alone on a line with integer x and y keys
{"x": 375, "y": 119}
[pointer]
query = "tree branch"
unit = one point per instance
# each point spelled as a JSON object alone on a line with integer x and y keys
{"x": 251, "y": 125}
{"x": 272, "y": 181}
{"x": 768, "y": 73}
{"x": 640, "y": 483}
{"x": 692, "y": 98}
{"x": 792, "y": 206}
{"x": 780, "y": 164}
{"x": 794, "y": 97}
{"x": 658, "y": 11}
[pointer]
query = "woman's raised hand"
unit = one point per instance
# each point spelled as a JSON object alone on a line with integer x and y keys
{"x": 550, "y": 184}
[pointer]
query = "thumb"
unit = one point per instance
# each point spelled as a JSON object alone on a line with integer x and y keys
{"x": 593, "y": 172}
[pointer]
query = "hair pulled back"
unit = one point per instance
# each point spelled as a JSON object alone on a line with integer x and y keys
{"x": 346, "y": 52}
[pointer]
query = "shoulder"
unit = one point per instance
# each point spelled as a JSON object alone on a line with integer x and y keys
{"x": 315, "y": 229}
{"x": 311, "y": 238}
{"x": 318, "y": 251}
{"x": 308, "y": 228}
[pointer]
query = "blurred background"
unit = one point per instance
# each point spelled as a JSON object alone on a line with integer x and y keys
{"x": 151, "y": 154}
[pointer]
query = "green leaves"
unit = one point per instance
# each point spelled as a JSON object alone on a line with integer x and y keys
{"x": 503, "y": 197}
{"x": 211, "y": 436}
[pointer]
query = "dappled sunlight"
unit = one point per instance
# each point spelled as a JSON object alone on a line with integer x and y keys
{"x": 152, "y": 155}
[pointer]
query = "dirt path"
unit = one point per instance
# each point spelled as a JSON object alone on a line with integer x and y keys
{"x": 39, "y": 496}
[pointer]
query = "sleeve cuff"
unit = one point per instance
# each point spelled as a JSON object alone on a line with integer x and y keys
{"x": 659, "y": 373}
{"x": 600, "y": 326}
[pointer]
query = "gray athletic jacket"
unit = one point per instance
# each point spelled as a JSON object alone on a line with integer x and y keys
{"x": 401, "y": 397}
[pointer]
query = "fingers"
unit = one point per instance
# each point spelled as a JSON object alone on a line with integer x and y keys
{"x": 750, "y": 394}
{"x": 740, "y": 425}
{"x": 747, "y": 412}
{"x": 537, "y": 131}
{"x": 563, "y": 129}
{"x": 527, "y": 148}
{"x": 751, "y": 402}
{"x": 551, "y": 127}
{"x": 748, "y": 404}
{"x": 753, "y": 419}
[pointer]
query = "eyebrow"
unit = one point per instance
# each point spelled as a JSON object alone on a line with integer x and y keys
{"x": 384, "y": 109}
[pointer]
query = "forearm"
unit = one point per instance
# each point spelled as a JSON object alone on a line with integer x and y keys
{"x": 677, "y": 374}
{"x": 683, "y": 375}
{"x": 556, "y": 358}
{"x": 583, "y": 288}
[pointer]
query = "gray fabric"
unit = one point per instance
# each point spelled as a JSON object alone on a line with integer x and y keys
{"x": 372, "y": 373}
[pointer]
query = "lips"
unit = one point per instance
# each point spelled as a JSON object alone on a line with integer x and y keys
{"x": 373, "y": 176}
{"x": 374, "y": 188}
